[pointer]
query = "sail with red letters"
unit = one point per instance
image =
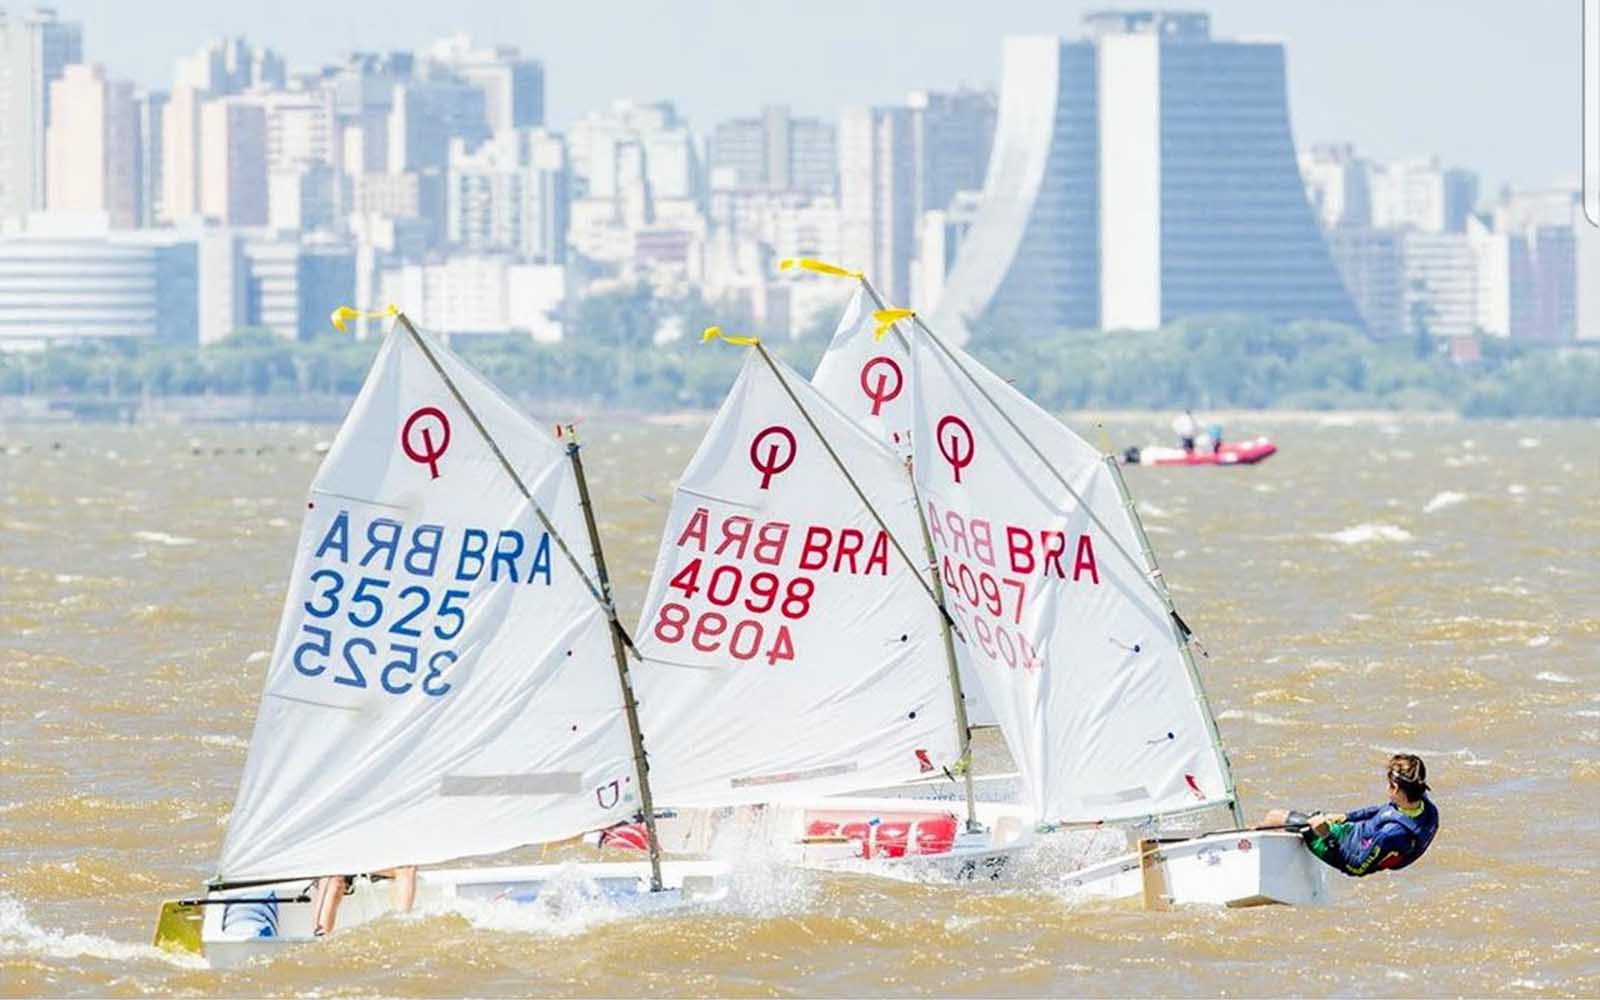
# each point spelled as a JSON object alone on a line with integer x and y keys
{"x": 789, "y": 650}
{"x": 1082, "y": 658}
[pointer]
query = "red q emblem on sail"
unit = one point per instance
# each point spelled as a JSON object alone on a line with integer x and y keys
{"x": 875, "y": 382}
{"x": 771, "y": 452}
{"x": 955, "y": 443}
{"x": 418, "y": 437}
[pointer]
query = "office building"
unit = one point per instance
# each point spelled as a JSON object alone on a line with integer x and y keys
{"x": 1139, "y": 175}
{"x": 93, "y": 147}
{"x": 951, "y": 135}
{"x": 70, "y": 277}
{"x": 35, "y": 47}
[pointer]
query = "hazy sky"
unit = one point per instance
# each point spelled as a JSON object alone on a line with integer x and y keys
{"x": 1487, "y": 84}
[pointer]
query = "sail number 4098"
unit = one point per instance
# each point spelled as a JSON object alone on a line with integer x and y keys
{"x": 723, "y": 585}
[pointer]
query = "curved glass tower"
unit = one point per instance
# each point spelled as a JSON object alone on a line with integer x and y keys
{"x": 1143, "y": 174}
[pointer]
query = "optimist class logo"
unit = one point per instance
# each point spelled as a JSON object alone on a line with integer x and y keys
{"x": 955, "y": 443}
{"x": 421, "y": 427}
{"x": 778, "y": 456}
{"x": 879, "y": 391}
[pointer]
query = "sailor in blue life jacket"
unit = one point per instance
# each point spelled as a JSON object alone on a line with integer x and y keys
{"x": 1375, "y": 838}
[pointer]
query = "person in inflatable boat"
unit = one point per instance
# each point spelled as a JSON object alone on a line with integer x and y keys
{"x": 1375, "y": 838}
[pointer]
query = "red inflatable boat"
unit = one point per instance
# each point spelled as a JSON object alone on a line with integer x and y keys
{"x": 1231, "y": 453}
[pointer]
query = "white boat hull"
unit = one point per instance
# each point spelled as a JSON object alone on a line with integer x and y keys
{"x": 1235, "y": 869}
{"x": 272, "y": 916}
{"x": 914, "y": 839}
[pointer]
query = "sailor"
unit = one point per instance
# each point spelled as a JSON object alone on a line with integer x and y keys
{"x": 332, "y": 889}
{"x": 1214, "y": 432}
{"x": 1375, "y": 838}
{"x": 1187, "y": 429}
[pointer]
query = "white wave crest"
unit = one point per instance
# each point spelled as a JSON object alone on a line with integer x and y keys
{"x": 162, "y": 538}
{"x": 1259, "y": 718}
{"x": 1551, "y": 677}
{"x": 1443, "y": 499}
{"x": 21, "y": 936}
{"x": 1363, "y": 533}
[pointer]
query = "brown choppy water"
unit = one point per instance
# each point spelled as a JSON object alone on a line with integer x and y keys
{"x": 1380, "y": 584}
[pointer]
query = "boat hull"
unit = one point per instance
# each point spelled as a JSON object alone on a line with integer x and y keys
{"x": 1234, "y": 869}
{"x": 1241, "y": 453}
{"x": 271, "y": 917}
{"x": 903, "y": 838}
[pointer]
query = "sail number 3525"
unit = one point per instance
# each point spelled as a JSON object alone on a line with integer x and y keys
{"x": 386, "y": 653}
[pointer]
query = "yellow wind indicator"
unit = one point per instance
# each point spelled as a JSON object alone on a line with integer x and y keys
{"x": 344, "y": 314}
{"x": 715, "y": 333}
{"x": 818, "y": 267}
{"x": 886, "y": 318}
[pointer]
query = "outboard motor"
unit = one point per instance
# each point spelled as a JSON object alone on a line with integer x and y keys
{"x": 1130, "y": 456}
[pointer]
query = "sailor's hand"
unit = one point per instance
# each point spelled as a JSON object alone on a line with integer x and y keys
{"x": 1319, "y": 823}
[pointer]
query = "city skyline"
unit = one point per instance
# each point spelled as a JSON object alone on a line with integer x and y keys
{"x": 1460, "y": 86}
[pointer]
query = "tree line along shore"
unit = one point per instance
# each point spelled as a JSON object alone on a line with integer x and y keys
{"x": 610, "y": 357}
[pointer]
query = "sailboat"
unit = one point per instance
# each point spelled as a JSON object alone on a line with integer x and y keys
{"x": 783, "y": 580}
{"x": 1043, "y": 571}
{"x": 449, "y": 677}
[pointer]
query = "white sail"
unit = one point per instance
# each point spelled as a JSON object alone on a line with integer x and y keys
{"x": 443, "y": 681}
{"x": 787, "y": 652}
{"x": 868, "y": 378}
{"x": 1074, "y": 646}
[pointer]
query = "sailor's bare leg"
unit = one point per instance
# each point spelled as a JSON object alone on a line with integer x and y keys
{"x": 404, "y": 891}
{"x": 330, "y": 893}
{"x": 1275, "y": 817}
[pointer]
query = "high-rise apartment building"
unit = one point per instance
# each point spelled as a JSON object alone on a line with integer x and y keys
{"x": 1338, "y": 184}
{"x": 775, "y": 152}
{"x": 1420, "y": 194}
{"x": 180, "y": 155}
{"x": 233, "y": 175}
{"x": 230, "y": 66}
{"x": 151, "y": 108}
{"x": 92, "y": 147}
{"x": 513, "y": 86}
{"x": 1140, "y": 175}
{"x": 510, "y": 194}
{"x": 35, "y": 48}
{"x": 877, "y": 201}
{"x": 425, "y": 115}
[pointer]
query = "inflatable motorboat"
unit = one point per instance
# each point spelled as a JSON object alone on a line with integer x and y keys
{"x": 1231, "y": 453}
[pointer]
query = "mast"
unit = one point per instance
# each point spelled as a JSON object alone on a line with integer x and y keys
{"x": 1180, "y": 635}
{"x": 630, "y": 705}
{"x": 963, "y": 729}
